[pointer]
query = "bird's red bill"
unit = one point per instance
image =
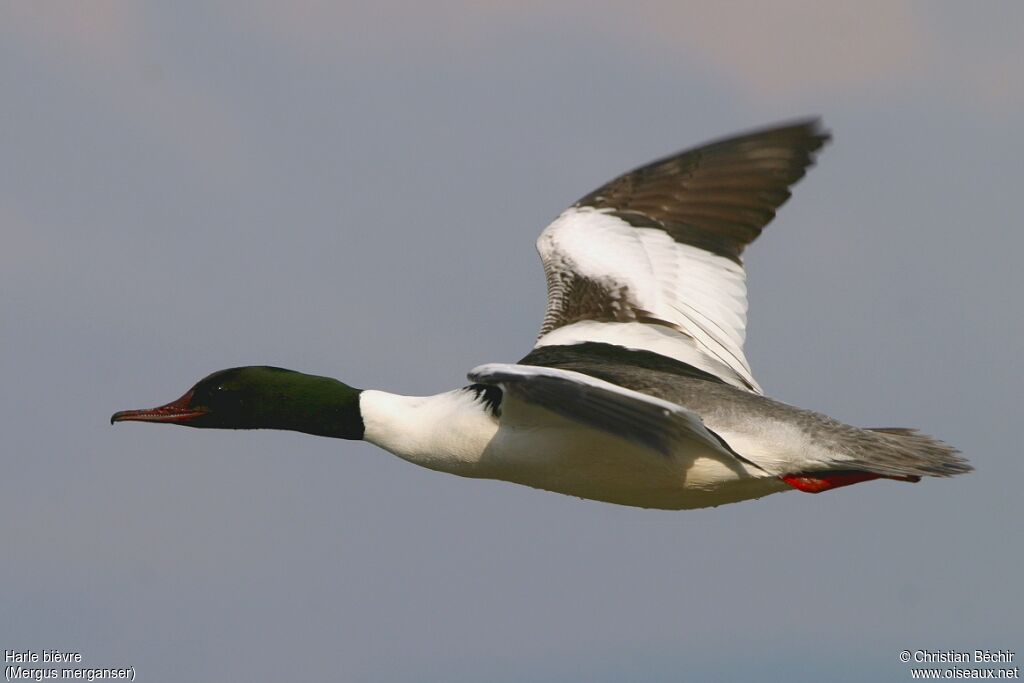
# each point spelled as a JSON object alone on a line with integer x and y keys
{"x": 175, "y": 412}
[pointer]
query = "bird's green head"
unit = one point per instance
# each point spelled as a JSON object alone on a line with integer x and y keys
{"x": 262, "y": 397}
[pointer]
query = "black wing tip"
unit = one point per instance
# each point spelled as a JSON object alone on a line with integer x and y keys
{"x": 810, "y": 128}
{"x": 807, "y": 134}
{"x": 717, "y": 196}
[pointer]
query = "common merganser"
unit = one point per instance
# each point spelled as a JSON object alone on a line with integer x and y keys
{"x": 637, "y": 391}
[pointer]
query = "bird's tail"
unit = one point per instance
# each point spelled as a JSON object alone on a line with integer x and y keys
{"x": 894, "y": 453}
{"x": 916, "y": 454}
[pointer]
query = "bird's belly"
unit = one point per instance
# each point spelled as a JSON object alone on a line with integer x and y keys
{"x": 589, "y": 464}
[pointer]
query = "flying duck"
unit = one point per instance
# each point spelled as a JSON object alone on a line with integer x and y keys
{"x": 636, "y": 391}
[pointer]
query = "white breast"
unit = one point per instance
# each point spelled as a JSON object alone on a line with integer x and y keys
{"x": 447, "y": 432}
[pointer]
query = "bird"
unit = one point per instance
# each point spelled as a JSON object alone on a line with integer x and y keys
{"x": 637, "y": 391}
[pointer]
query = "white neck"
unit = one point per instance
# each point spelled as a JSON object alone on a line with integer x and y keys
{"x": 447, "y": 432}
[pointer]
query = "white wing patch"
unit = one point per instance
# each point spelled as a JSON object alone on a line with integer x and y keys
{"x": 643, "y": 290}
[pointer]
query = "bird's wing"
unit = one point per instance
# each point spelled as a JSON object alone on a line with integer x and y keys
{"x": 651, "y": 260}
{"x": 645, "y": 420}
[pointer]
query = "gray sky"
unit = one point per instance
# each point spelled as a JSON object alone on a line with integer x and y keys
{"x": 356, "y": 192}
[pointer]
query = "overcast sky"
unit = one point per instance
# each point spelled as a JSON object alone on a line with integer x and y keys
{"x": 356, "y": 192}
